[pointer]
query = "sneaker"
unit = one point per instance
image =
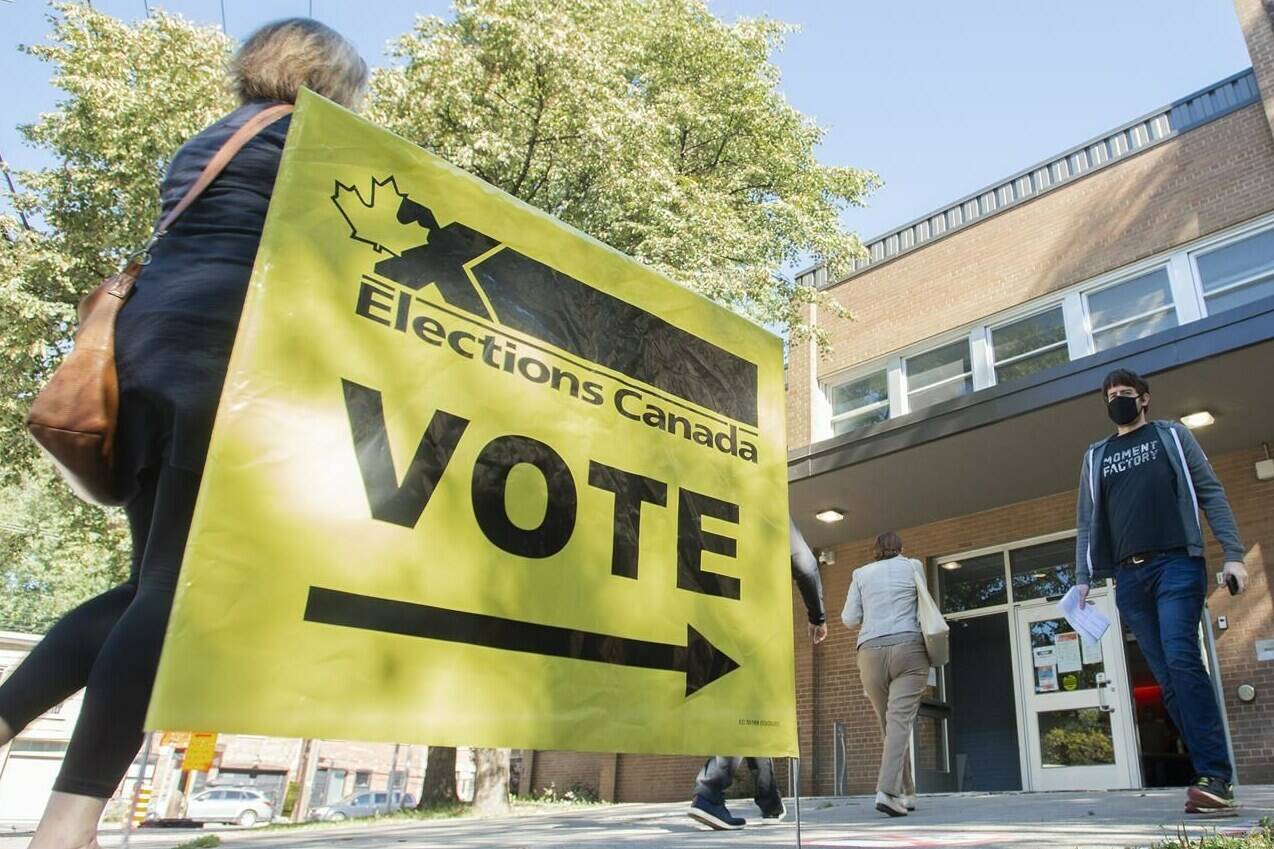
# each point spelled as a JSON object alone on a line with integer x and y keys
{"x": 908, "y": 801}
{"x": 1209, "y": 794}
{"x": 774, "y": 817}
{"x": 890, "y": 805}
{"x": 714, "y": 816}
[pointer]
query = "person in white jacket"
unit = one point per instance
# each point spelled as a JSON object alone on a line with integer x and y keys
{"x": 892, "y": 661}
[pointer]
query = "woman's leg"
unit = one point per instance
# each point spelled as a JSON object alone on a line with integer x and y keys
{"x": 109, "y": 731}
{"x": 59, "y": 665}
{"x": 909, "y": 674}
{"x": 873, "y": 669}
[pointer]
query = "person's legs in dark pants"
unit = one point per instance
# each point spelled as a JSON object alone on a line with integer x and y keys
{"x": 1180, "y": 591}
{"x": 128, "y": 629}
{"x": 1135, "y": 598}
{"x": 109, "y": 730}
{"x": 1162, "y": 601}
{"x": 766, "y": 794}
{"x": 715, "y": 778}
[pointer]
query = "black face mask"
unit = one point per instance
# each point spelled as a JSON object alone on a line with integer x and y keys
{"x": 1123, "y": 410}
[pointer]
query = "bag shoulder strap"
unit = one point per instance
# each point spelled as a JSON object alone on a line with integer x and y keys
{"x": 250, "y": 129}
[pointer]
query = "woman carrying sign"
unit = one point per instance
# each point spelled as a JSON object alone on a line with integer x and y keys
{"x": 173, "y": 341}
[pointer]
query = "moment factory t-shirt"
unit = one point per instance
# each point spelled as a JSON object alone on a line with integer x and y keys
{"x": 1139, "y": 489}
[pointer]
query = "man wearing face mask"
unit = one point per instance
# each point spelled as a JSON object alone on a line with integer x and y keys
{"x": 1140, "y": 491}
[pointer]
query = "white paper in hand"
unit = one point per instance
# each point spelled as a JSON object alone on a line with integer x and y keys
{"x": 1085, "y": 619}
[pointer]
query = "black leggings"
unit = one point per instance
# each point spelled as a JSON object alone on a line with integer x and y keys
{"x": 110, "y": 644}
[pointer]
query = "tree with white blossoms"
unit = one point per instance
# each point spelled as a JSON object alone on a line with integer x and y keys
{"x": 131, "y": 95}
{"x": 651, "y": 125}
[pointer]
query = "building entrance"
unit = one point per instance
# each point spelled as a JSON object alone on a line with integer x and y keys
{"x": 1077, "y": 722}
{"x": 1024, "y": 704}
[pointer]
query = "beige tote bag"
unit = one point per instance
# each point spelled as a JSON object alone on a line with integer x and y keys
{"x": 932, "y": 625}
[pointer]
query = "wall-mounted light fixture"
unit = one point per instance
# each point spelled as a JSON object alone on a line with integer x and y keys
{"x": 1200, "y": 419}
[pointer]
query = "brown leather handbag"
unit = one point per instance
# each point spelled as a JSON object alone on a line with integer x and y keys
{"x": 73, "y": 418}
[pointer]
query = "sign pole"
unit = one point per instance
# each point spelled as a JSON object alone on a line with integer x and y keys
{"x": 794, "y": 766}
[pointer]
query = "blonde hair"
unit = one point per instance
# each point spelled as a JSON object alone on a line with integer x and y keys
{"x": 281, "y": 57}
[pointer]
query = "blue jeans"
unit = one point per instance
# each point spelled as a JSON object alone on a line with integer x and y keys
{"x": 1162, "y": 601}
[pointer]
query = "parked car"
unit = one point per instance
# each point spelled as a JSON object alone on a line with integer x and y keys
{"x": 364, "y": 804}
{"x": 245, "y": 806}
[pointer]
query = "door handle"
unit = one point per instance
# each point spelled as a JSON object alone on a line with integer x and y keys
{"x": 1104, "y": 685}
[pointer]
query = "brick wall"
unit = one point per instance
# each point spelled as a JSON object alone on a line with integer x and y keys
{"x": 565, "y": 769}
{"x": 1256, "y": 18}
{"x": 1212, "y": 177}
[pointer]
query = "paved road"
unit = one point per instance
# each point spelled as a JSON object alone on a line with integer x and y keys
{"x": 998, "y": 821}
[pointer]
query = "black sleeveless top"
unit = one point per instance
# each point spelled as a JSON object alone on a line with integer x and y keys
{"x": 175, "y": 333}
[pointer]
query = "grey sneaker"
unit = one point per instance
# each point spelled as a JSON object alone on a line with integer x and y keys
{"x": 890, "y": 805}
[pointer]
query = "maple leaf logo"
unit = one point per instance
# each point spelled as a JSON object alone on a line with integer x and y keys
{"x": 375, "y": 220}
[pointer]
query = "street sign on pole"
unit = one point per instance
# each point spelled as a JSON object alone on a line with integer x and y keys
{"x": 200, "y": 753}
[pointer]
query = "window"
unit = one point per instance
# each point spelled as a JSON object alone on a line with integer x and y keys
{"x": 362, "y": 781}
{"x": 1043, "y": 571}
{"x": 1029, "y": 345}
{"x": 859, "y": 402}
{"x": 1132, "y": 309}
{"x": 939, "y": 375}
{"x": 1238, "y": 273}
{"x": 970, "y": 583}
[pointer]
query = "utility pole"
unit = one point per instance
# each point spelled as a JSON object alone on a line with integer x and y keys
{"x": 393, "y": 775}
{"x": 303, "y": 776}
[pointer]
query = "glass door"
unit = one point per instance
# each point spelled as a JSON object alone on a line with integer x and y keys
{"x": 1078, "y": 726}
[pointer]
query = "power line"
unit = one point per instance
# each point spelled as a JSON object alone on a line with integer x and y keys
{"x": 223, "y": 15}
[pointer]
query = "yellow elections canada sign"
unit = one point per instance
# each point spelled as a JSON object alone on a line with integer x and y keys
{"x": 477, "y": 479}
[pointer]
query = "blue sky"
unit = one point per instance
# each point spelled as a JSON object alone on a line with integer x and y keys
{"x": 940, "y": 98}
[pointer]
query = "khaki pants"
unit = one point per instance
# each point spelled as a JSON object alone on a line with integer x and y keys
{"x": 894, "y": 677}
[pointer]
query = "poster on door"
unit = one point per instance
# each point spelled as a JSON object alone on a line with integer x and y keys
{"x": 1068, "y": 653}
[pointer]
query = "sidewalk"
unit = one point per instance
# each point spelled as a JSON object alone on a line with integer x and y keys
{"x": 1134, "y": 818}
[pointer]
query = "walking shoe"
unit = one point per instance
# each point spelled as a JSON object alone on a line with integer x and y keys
{"x": 890, "y": 805}
{"x": 714, "y": 816}
{"x": 773, "y": 817}
{"x": 908, "y": 801}
{"x": 1209, "y": 794}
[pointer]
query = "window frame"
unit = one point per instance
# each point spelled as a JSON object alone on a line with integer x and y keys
{"x": 1025, "y": 315}
{"x": 1217, "y": 244}
{"x": 1128, "y": 277}
{"x": 853, "y": 376}
{"x": 944, "y": 341}
{"x": 1185, "y": 287}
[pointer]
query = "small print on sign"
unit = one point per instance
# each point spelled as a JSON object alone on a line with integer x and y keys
{"x": 1045, "y": 656}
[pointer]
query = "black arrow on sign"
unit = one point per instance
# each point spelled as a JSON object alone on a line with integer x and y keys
{"x": 700, "y": 660}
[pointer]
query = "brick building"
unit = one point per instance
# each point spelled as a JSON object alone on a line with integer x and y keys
{"x": 955, "y": 410}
